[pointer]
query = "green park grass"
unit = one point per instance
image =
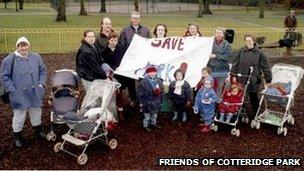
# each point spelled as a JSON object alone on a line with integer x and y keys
{"x": 37, "y": 21}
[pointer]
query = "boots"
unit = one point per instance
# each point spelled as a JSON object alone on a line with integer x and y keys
{"x": 38, "y": 132}
{"x": 174, "y": 117}
{"x": 18, "y": 142}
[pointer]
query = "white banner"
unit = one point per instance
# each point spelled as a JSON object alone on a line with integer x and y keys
{"x": 168, "y": 54}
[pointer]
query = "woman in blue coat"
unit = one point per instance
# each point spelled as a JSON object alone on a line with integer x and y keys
{"x": 23, "y": 75}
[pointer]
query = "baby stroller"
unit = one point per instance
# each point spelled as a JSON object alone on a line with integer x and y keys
{"x": 92, "y": 122}
{"x": 284, "y": 74}
{"x": 63, "y": 98}
{"x": 241, "y": 113}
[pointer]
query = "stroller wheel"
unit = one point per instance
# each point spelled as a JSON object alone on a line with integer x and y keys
{"x": 233, "y": 131}
{"x": 82, "y": 159}
{"x": 112, "y": 143}
{"x": 215, "y": 128}
{"x": 58, "y": 147}
{"x": 51, "y": 136}
{"x": 280, "y": 130}
{"x": 257, "y": 125}
{"x": 252, "y": 125}
{"x": 291, "y": 120}
{"x": 285, "y": 131}
{"x": 237, "y": 133}
{"x": 246, "y": 120}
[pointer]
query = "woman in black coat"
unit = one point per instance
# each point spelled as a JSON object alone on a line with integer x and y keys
{"x": 89, "y": 61}
{"x": 248, "y": 56}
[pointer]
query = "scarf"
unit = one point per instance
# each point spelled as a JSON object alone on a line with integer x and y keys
{"x": 218, "y": 42}
{"x": 178, "y": 87}
{"x": 154, "y": 85}
{"x": 19, "y": 55}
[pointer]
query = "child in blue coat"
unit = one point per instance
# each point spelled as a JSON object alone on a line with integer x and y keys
{"x": 205, "y": 104}
{"x": 150, "y": 92}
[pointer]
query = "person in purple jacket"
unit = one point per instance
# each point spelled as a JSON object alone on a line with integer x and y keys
{"x": 124, "y": 40}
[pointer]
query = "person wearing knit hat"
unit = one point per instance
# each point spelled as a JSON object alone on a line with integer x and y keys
{"x": 23, "y": 75}
{"x": 180, "y": 94}
{"x": 150, "y": 93}
{"x": 22, "y": 40}
{"x": 205, "y": 104}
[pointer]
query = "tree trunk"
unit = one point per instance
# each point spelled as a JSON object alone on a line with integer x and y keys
{"x": 262, "y": 8}
{"x": 247, "y": 6}
{"x": 103, "y": 6}
{"x": 17, "y": 5}
{"x": 287, "y": 4}
{"x": 206, "y": 7}
{"x": 82, "y": 8}
{"x": 200, "y": 8}
{"x": 61, "y": 15}
{"x": 136, "y": 7}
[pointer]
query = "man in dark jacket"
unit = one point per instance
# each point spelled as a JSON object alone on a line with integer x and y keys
{"x": 246, "y": 57}
{"x": 89, "y": 61}
{"x": 125, "y": 39}
{"x": 290, "y": 23}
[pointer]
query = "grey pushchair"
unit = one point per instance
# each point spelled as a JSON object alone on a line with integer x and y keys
{"x": 92, "y": 121}
{"x": 63, "y": 98}
{"x": 285, "y": 74}
{"x": 241, "y": 115}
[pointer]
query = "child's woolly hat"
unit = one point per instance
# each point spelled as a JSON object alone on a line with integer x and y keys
{"x": 151, "y": 68}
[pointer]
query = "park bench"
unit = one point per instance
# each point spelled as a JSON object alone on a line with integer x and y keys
{"x": 294, "y": 39}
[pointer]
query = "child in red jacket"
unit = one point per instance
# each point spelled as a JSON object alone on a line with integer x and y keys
{"x": 231, "y": 102}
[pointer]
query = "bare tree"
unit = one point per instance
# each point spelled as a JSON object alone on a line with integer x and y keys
{"x": 200, "y": 8}
{"x": 136, "y": 5}
{"x": 61, "y": 12}
{"x": 262, "y": 8}
{"x": 206, "y": 7}
{"x": 103, "y": 6}
{"x": 287, "y": 5}
{"x": 82, "y": 8}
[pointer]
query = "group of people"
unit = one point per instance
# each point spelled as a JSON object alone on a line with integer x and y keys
{"x": 23, "y": 74}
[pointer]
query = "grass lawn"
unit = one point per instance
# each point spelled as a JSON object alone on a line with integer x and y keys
{"x": 37, "y": 21}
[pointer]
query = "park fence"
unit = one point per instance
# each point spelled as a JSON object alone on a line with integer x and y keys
{"x": 66, "y": 40}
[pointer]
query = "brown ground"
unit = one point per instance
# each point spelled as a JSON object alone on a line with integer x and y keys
{"x": 139, "y": 150}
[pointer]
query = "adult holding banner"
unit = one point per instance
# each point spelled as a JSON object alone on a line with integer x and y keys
{"x": 105, "y": 30}
{"x": 24, "y": 77}
{"x": 219, "y": 59}
{"x": 125, "y": 38}
{"x": 192, "y": 30}
{"x": 160, "y": 31}
{"x": 248, "y": 56}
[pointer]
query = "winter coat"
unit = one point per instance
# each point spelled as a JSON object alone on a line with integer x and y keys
{"x": 113, "y": 58}
{"x": 101, "y": 41}
{"x": 151, "y": 103}
{"x": 180, "y": 101}
{"x": 290, "y": 22}
{"x": 229, "y": 98}
{"x": 205, "y": 94}
{"x": 88, "y": 63}
{"x": 223, "y": 53}
{"x": 22, "y": 82}
{"x": 244, "y": 59}
{"x": 128, "y": 32}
